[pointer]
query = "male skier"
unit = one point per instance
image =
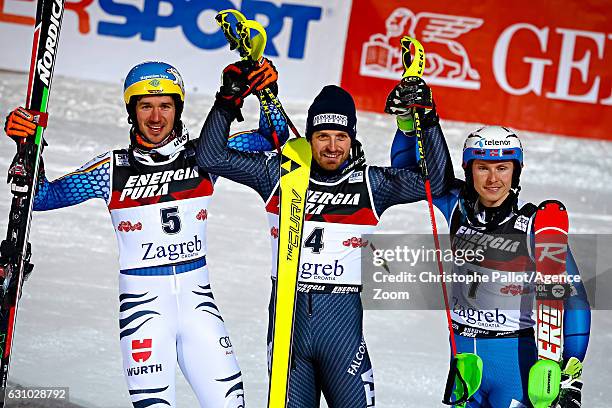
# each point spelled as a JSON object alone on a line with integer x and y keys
{"x": 495, "y": 319}
{"x": 158, "y": 199}
{"x": 346, "y": 197}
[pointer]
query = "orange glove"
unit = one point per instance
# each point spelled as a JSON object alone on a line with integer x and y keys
{"x": 22, "y": 123}
{"x": 264, "y": 76}
{"x": 241, "y": 79}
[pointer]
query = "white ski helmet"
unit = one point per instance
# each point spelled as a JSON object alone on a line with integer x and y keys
{"x": 493, "y": 143}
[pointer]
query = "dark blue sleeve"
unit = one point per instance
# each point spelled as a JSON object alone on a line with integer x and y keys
{"x": 404, "y": 151}
{"x": 405, "y": 155}
{"x": 391, "y": 186}
{"x": 262, "y": 139}
{"x": 260, "y": 171}
{"x": 445, "y": 203}
{"x": 576, "y": 317}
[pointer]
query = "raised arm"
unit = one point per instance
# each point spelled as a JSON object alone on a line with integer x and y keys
{"x": 391, "y": 186}
{"x": 262, "y": 139}
{"x": 260, "y": 170}
{"x": 404, "y": 182}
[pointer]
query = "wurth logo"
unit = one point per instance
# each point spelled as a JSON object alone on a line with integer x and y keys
{"x": 142, "y": 350}
{"x": 202, "y": 215}
{"x": 148, "y": 369}
{"x": 317, "y": 200}
{"x": 114, "y": 20}
{"x": 155, "y": 184}
{"x": 79, "y": 7}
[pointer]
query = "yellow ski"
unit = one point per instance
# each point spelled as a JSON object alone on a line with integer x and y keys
{"x": 294, "y": 178}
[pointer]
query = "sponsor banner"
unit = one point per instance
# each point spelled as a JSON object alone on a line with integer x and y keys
{"x": 540, "y": 66}
{"x": 103, "y": 39}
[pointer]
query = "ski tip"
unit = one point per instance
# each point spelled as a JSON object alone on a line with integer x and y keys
{"x": 551, "y": 217}
{"x": 552, "y": 203}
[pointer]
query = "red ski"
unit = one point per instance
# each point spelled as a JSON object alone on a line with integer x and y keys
{"x": 15, "y": 250}
{"x": 551, "y": 228}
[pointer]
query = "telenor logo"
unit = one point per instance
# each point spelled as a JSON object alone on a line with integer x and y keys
{"x": 482, "y": 142}
{"x": 497, "y": 143}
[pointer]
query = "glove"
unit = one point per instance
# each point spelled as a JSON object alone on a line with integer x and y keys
{"x": 242, "y": 78}
{"x": 264, "y": 76}
{"x": 570, "y": 395}
{"x": 412, "y": 93}
{"x": 21, "y": 123}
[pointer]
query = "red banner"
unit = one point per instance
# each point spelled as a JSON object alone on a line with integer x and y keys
{"x": 541, "y": 66}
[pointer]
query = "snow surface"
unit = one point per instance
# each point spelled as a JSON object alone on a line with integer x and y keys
{"x": 67, "y": 331}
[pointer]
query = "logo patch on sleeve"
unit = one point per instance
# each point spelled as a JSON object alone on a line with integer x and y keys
{"x": 356, "y": 177}
{"x": 521, "y": 223}
{"x": 121, "y": 159}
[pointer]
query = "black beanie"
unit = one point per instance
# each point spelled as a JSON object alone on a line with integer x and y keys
{"x": 332, "y": 109}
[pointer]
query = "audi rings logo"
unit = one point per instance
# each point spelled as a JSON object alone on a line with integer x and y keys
{"x": 225, "y": 342}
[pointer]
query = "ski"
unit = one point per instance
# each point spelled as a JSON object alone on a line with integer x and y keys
{"x": 296, "y": 158}
{"x": 294, "y": 178}
{"x": 551, "y": 235}
{"x": 23, "y": 177}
